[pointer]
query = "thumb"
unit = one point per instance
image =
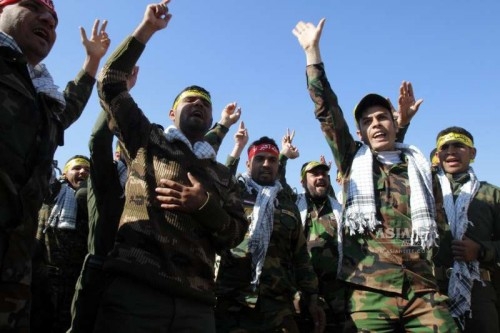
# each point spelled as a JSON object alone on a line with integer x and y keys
{"x": 321, "y": 24}
{"x": 417, "y": 104}
{"x": 192, "y": 179}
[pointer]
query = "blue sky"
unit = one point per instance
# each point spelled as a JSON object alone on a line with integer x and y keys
{"x": 244, "y": 51}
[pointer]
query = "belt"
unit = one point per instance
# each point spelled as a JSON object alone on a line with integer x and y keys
{"x": 444, "y": 273}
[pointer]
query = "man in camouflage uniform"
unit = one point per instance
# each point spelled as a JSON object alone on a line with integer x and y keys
{"x": 34, "y": 115}
{"x": 386, "y": 249}
{"x": 319, "y": 212}
{"x": 469, "y": 245}
{"x": 62, "y": 236}
{"x": 181, "y": 206}
{"x": 257, "y": 279}
{"x": 105, "y": 206}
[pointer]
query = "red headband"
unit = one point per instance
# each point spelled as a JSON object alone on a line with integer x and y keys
{"x": 262, "y": 148}
{"x": 48, "y": 3}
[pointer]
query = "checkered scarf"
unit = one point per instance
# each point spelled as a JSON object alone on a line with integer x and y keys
{"x": 360, "y": 210}
{"x": 202, "y": 149}
{"x": 63, "y": 214}
{"x": 463, "y": 274}
{"x": 261, "y": 227}
{"x": 42, "y": 80}
{"x": 301, "y": 203}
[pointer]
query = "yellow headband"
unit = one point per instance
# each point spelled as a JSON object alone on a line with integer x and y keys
{"x": 191, "y": 93}
{"x": 76, "y": 161}
{"x": 435, "y": 160}
{"x": 454, "y": 137}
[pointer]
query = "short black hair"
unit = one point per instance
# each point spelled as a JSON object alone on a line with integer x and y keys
{"x": 455, "y": 129}
{"x": 193, "y": 87}
{"x": 263, "y": 140}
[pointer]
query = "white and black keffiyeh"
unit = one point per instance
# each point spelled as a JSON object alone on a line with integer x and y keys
{"x": 301, "y": 203}
{"x": 360, "y": 211}
{"x": 261, "y": 226}
{"x": 202, "y": 149}
{"x": 40, "y": 76}
{"x": 63, "y": 214}
{"x": 463, "y": 274}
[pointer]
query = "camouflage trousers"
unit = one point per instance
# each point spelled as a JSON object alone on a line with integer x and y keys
{"x": 378, "y": 311}
{"x": 232, "y": 317}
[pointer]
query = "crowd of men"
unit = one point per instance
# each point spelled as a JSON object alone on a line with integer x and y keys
{"x": 156, "y": 235}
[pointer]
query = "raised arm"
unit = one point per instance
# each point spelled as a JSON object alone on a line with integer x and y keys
{"x": 309, "y": 36}
{"x": 155, "y": 18}
{"x": 407, "y": 104}
{"x": 229, "y": 116}
{"x": 326, "y": 107}
{"x": 240, "y": 141}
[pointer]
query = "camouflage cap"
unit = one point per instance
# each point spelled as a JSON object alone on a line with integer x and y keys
{"x": 312, "y": 165}
{"x": 368, "y": 101}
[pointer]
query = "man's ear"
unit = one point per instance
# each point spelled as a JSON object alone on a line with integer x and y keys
{"x": 358, "y": 132}
{"x": 473, "y": 153}
{"x": 171, "y": 114}
{"x": 303, "y": 182}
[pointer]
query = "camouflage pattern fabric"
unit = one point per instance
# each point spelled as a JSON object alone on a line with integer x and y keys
{"x": 105, "y": 205}
{"x": 32, "y": 128}
{"x": 170, "y": 251}
{"x": 375, "y": 311}
{"x": 382, "y": 260}
{"x": 286, "y": 268}
{"x": 321, "y": 235}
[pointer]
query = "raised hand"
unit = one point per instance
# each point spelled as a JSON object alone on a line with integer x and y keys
{"x": 408, "y": 106}
{"x": 240, "y": 140}
{"x": 308, "y": 34}
{"x": 156, "y": 17}
{"x": 322, "y": 159}
{"x": 99, "y": 42}
{"x": 241, "y": 136}
{"x": 287, "y": 148}
{"x": 230, "y": 115}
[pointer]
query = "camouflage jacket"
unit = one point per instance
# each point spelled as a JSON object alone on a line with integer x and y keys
{"x": 483, "y": 212}
{"x": 169, "y": 250}
{"x": 63, "y": 247}
{"x": 286, "y": 267}
{"x": 32, "y": 127}
{"x": 382, "y": 259}
{"x": 105, "y": 193}
{"x": 320, "y": 230}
